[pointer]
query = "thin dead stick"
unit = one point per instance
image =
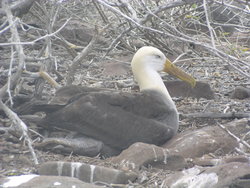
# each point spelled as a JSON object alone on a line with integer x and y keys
{"x": 242, "y": 152}
{"x": 82, "y": 55}
{"x": 19, "y": 49}
{"x": 234, "y": 136}
{"x": 211, "y": 31}
{"x": 35, "y": 59}
{"x": 79, "y": 58}
{"x": 234, "y": 7}
{"x": 9, "y": 75}
{"x": 45, "y": 76}
{"x": 38, "y": 39}
{"x": 70, "y": 47}
{"x": 116, "y": 41}
{"x": 14, "y": 80}
{"x": 216, "y": 115}
{"x": 130, "y": 9}
{"x": 22, "y": 126}
{"x": 101, "y": 12}
{"x": 9, "y": 26}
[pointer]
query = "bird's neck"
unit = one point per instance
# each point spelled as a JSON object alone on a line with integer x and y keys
{"x": 149, "y": 79}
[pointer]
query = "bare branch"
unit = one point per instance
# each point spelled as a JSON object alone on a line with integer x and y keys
{"x": 15, "y": 37}
{"x": 12, "y": 81}
{"x": 9, "y": 75}
{"x": 234, "y": 136}
{"x": 77, "y": 60}
{"x": 234, "y": 7}
{"x": 117, "y": 40}
{"x": 22, "y": 126}
{"x": 211, "y": 31}
{"x": 47, "y": 77}
{"x": 38, "y": 39}
{"x": 216, "y": 115}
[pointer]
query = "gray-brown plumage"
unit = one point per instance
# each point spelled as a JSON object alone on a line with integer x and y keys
{"x": 119, "y": 119}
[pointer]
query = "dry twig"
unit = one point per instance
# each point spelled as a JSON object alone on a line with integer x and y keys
{"x": 77, "y": 60}
{"x": 12, "y": 81}
{"x": 234, "y": 136}
{"x": 216, "y": 115}
{"x": 22, "y": 126}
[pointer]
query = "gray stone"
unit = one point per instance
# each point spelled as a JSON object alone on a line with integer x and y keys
{"x": 211, "y": 161}
{"x": 211, "y": 139}
{"x": 141, "y": 154}
{"x": 223, "y": 176}
{"x": 179, "y": 88}
{"x": 240, "y": 93}
{"x": 115, "y": 69}
{"x": 81, "y": 146}
{"x": 190, "y": 144}
{"x": 44, "y": 182}
{"x": 86, "y": 172}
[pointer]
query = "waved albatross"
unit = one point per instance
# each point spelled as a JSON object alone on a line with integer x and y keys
{"x": 119, "y": 119}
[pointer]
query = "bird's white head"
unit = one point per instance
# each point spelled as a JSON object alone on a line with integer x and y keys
{"x": 148, "y": 57}
{"x": 146, "y": 64}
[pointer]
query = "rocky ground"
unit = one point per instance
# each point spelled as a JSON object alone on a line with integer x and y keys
{"x": 116, "y": 74}
{"x": 211, "y": 148}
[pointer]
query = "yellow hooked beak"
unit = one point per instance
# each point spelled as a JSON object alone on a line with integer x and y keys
{"x": 170, "y": 68}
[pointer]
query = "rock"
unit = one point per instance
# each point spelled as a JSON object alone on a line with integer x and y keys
{"x": 192, "y": 144}
{"x": 18, "y": 8}
{"x": 87, "y": 173}
{"x": 141, "y": 154}
{"x": 240, "y": 93}
{"x": 211, "y": 161}
{"x": 191, "y": 178}
{"x": 227, "y": 175}
{"x": 115, "y": 69}
{"x": 35, "y": 181}
{"x": 179, "y": 88}
{"x": 81, "y": 146}
{"x": 212, "y": 139}
{"x": 79, "y": 33}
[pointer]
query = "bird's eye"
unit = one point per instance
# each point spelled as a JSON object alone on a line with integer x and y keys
{"x": 158, "y": 56}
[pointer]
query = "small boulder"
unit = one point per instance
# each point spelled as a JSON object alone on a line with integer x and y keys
{"x": 179, "y": 88}
{"x": 192, "y": 144}
{"x": 208, "y": 160}
{"x": 240, "y": 93}
{"x": 211, "y": 139}
{"x": 189, "y": 144}
{"x": 87, "y": 173}
{"x": 227, "y": 175}
{"x": 115, "y": 69}
{"x": 81, "y": 146}
{"x": 141, "y": 154}
{"x": 35, "y": 181}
